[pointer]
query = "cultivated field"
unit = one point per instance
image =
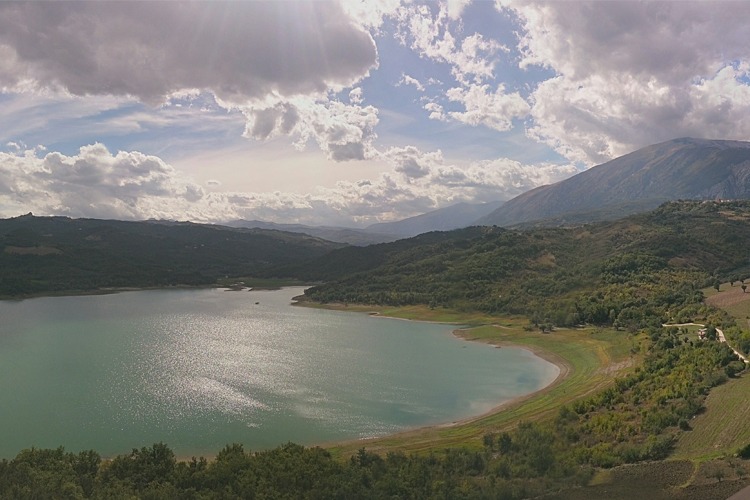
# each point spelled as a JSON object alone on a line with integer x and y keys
{"x": 672, "y": 480}
{"x": 733, "y": 300}
{"x": 723, "y": 427}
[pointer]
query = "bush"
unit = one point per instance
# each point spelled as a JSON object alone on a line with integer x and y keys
{"x": 744, "y": 452}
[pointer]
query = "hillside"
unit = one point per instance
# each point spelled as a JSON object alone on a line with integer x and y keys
{"x": 48, "y": 254}
{"x": 633, "y": 274}
{"x": 678, "y": 169}
{"x": 541, "y": 273}
{"x": 351, "y": 236}
{"x": 444, "y": 219}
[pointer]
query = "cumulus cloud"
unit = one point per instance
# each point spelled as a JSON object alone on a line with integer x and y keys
{"x": 240, "y": 51}
{"x": 94, "y": 183}
{"x": 631, "y": 74}
{"x": 413, "y": 163}
{"x": 430, "y": 36}
{"x": 355, "y": 96}
{"x": 278, "y": 63}
{"x": 132, "y": 185}
{"x": 472, "y": 63}
{"x": 483, "y": 107}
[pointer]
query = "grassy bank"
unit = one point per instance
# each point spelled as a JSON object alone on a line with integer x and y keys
{"x": 589, "y": 359}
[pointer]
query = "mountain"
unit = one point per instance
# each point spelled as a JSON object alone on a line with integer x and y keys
{"x": 48, "y": 254}
{"x": 453, "y": 217}
{"x": 677, "y": 249}
{"x": 444, "y": 219}
{"x": 678, "y": 169}
{"x": 348, "y": 235}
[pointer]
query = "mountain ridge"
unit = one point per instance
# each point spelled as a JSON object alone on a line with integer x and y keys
{"x": 683, "y": 168}
{"x": 443, "y": 219}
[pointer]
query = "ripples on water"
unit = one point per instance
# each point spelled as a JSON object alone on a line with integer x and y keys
{"x": 202, "y": 368}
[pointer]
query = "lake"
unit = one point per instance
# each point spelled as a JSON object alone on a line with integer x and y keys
{"x": 198, "y": 369}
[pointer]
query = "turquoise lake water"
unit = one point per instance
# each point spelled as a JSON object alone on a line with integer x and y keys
{"x": 198, "y": 369}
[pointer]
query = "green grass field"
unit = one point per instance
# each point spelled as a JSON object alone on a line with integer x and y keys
{"x": 590, "y": 358}
{"x": 723, "y": 427}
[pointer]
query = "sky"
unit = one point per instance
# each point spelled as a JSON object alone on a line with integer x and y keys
{"x": 347, "y": 113}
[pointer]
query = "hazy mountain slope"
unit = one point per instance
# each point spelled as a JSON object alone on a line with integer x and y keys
{"x": 600, "y": 214}
{"x": 351, "y": 260}
{"x": 453, "y": 217}
{"x": 43, "y": 254}
{"x": 678, "y": 169}
{"x": 331, "y": 233}
{"x": 540, "y": 272}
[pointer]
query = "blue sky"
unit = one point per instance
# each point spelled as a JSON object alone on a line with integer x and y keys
{"x": 347, "y": 113}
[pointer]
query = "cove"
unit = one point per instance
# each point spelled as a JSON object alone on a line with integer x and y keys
{"x": 198, "y": 369}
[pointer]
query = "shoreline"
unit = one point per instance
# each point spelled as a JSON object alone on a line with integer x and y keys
{"x": 115, "y": 290}
{"x": 105, "y": 291}
{"x": 565, "y": 368}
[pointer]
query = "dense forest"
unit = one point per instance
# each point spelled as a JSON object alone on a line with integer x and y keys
{"x": 51, "y": 254}
{"x": 618, "y": 273}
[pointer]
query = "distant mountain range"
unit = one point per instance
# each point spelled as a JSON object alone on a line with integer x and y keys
{"x": 637, "y": 182}
{"x": 444, "y": 219}
{"x": 352, "y": 236}
{"x": 452, "y": 217}
{"x": 688, "y": 169}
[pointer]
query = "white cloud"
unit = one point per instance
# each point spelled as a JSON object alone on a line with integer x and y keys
{"x": 491, "y": 109}
{"x": 471, "y": 62}
{"x": 630, "y": 74}
{"x": 131, "y": 185}
{"x": 355, "y": 96}
{"x": 94, "y": 183}
{"x": 343, "y": 131}
{"x": 413, "y": 163}
{"x": 436, "y": 111}
{"x": 240, "y": 51}
{"x": 430, "y": 37}
{"x": 408, "y": 80}
{"x": 277, "y": 62}
{"x": 369, "y": 14}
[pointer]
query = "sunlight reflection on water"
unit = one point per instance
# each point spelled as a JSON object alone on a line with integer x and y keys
{"x": 199, "y": 369}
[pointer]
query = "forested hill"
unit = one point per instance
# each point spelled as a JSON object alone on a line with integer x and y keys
{"x": 667, "y": 255}
{"x": 679, "y": 169}
{"x": 47, "y": 254}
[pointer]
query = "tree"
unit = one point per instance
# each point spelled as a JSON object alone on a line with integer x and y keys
{"x": 718, "y": 474}
{"x": 744, "y": 287}
{"x": 717, "y": 285}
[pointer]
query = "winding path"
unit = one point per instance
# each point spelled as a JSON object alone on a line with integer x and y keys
{"x": 720, "y": 333}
